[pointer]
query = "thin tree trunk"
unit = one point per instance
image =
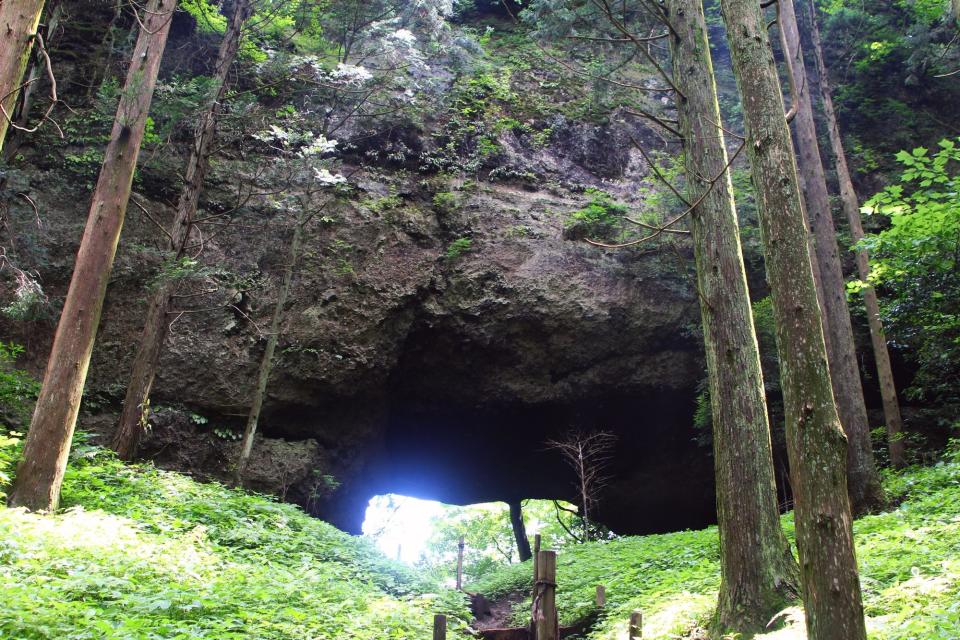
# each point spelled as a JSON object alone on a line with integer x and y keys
{"x": 18, "y": 26}
{"x": 851, "y": 206}
{"x": 22, "y": 116}
{"x": 584, "y": 493}
{"x": 126, "y": 440}
{"x": 863, "y": 480}
{"x": 40, "y": 473}
{"x": 519, "y": 530}
{"x": 266, "y": 363}
{"x": 815, "y": 440}
{"x": 758, "y": 571}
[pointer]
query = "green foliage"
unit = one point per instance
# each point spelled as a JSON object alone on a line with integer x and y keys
{"x": 915, "y": 263}
{"x": 884, "y": 57}
{"x": 488, "y": 540}
{"x": 488, "y": 536}
{"x": 176, "y": 103}
{"x": 601, "y": 218}
{"x": 207, "y": 15}
{"x": 457, "y": 248}
{"x": 446, "y": 202}
{"x": 29, "y": 301}
{"x": 141, "y": 553}
{"x": 384, "y": 204}
{"x": 909, "y": 561}
{"x": 467, "y": 142}
{"x": 18, "y": 389}
{"x": 18, "y": 392}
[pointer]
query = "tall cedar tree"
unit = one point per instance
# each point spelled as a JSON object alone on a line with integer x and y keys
{"x": 266, "y": 362}
{"x": 758, "y": 571}
{"x": 40, "y": 472}
{"x": 19, "y": 20}
{"x": 862, "y": 476}
{"x": 851, "y": 207}
{"x": 126, "y": 440}
{"x": 816, "y": 444}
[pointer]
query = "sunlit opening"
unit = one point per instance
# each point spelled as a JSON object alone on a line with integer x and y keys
{"x": 426, "y": 533}
{"x": 401, "y": 526}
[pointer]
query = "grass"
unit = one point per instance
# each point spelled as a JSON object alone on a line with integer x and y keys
{"x": 139, "y": 553}
{"x": 909, "y": 560}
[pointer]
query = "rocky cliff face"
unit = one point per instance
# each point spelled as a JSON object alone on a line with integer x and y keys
{"x": 439, "y": 331}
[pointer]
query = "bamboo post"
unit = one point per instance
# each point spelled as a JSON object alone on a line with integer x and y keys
{"x": 601, "y": 596}
{"x": 536, "y": 554}
{"x": 439, "y": 627}
{"x": 460, "y": 546}
{"x": 545, "y": 623}
{"x": 636, "y": 625}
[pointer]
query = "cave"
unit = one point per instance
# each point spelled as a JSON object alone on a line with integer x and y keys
{"x": 451, "y": 432}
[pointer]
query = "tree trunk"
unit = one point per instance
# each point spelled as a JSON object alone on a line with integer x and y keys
{"x": 266, "y": 363}
{"x": 758, "y": 571}
{"x": 519, "y": 530}
{"x": 851, "y": 206}
{"x": 40, "y": 472}
{"x": 22, "y": 111}
{"x": 126, "y": 440}
{"x": 816, "y": 444}
{"x": 863, "y": 480}
{"x": 18, "y": 25}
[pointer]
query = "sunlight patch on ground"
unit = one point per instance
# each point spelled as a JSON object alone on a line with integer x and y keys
{"x": 792, "y": 621}
{"x": 674, "y": 617}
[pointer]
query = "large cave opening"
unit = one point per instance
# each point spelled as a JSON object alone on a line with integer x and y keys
{"x": 434, "y": 449}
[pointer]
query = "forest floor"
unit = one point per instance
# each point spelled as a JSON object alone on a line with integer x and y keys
{"x": 139, "y": 553}
{"x": 909, "y": 561}
{"x": 143, "y": 554}
{"x": 501, "y": 613}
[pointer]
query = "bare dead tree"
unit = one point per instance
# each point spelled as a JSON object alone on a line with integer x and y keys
{"x": 588, "y": 453}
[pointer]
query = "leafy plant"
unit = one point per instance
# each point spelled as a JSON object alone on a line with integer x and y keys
{"x": 144, "y": 553}
{"x": 915, "y": 263}
{"x": 601, "y": 218}
{"x": 909, "y": 560}
{"x": 457, "y": 248}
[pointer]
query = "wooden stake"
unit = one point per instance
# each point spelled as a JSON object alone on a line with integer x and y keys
{"x": 636, "y": 625}
{"x": 460, "y": 546}
{"x": 439, "y": 627}
{"x": 545, "y": 623}
{"x": 536, "y": 554}
{"x": 601, "y": 596}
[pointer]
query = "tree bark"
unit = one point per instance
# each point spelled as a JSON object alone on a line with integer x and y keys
{"x": 18, "y": 26}
{"x": 40, "y": 473}
{"x": 863, "y": 480}
{"x": 851, "y": 206}
{"x": 758, "y": 572}
{"x": 266, "y": 363}
{"x": 816, "y": 444}
{"x": 519, "y": 530}
{"x": 22, "y": 111}
{"x": 126, "y": 440}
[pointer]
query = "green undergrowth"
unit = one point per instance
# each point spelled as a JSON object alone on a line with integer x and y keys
{"x": 909, "y": 559}
{"x": 141, "y": 553}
